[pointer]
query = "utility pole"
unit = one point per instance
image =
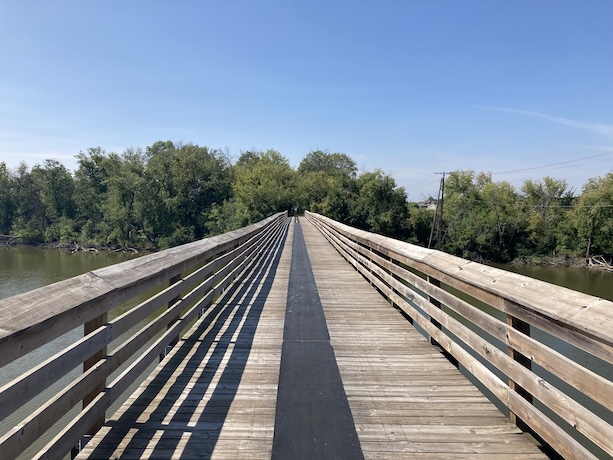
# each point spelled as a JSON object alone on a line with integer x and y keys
{"x": 437, "y": 220}
{"x": 438, "y": 223}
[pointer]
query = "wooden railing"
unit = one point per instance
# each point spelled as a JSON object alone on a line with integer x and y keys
{"x": 180, "y": 284}
{"x": 547, "y": 389}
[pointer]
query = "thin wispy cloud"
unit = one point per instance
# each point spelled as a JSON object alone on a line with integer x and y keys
{"x": 44, "y": 156}
{"x": 15, "y": 157}
{"x": 597, "y": 147}
{"x": 591, "y": 126}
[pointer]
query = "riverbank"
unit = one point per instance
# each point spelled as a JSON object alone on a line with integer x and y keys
{"x": 599, "y": 262}
{"x": 592, "y": 263}
{"x": 79, "y": 247}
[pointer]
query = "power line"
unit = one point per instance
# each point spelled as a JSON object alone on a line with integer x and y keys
{"x": 423, "y": 181}
{"x": 543, "y": 168}
{"x": 558, "y": 164}
{"x": 519, "y": 203}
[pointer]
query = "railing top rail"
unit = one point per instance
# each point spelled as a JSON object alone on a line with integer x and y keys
{"x": 59, "y": 307}
{"x": 589, "y": 315}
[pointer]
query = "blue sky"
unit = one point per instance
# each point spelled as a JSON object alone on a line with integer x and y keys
{"x": 412, "y": 87}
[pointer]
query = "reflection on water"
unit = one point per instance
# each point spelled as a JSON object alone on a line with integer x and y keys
{"x": 592, "y": 282}
{"x": 24, "y": 268}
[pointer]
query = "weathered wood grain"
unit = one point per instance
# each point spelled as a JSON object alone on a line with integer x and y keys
{"x": 577, "y": 311}
{"x": 393, "y": 378}
{"x": 32, "y": 319}
{"x": 221, "y": 272}
{"x": 405, "y": 396}
{"x": 370, "y": 255}
{"x": 214, "y": 394}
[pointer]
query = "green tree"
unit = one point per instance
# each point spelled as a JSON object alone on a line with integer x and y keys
{"x": 546, "y": 203}
{"x": 264, "y": 184}
{"x": 463, "y": 215}
{"x": 380, "y": 206}
{"x": 55, "y": 186}
{"x": 124, "y": 186}
{"x": 504, "y": 222}
{"x": 419, "y": 224}
{"x": 329, "y": 163}
{"x": 327, "y": 194}
{"x": 326, "y": 184}
{"x": 30, "y": 220}
{"x": 7, "y": 201}
{"x": 482, "y": 218}
{"x": 225, "y": 216}
{"x": 91, "y": 187}
{"x": 154, "y": 208}
{"x": 182, "y": 183}
{"x": 201, "y": 178}
{"x": 593, "y": 216}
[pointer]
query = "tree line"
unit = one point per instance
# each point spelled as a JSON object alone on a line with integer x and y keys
{"x": 169, "y": 194}
{"x": 544, "y": 218}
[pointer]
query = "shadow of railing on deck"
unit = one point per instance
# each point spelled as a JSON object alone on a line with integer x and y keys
{"x": 250, "y": 288}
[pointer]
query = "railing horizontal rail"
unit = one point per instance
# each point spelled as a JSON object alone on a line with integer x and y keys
{"x": 428, "y": 285}
{"x": 33, "y": 318}
{"x": 197, "y": 273}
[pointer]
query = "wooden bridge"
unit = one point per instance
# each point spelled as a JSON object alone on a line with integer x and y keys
{"x": 306, "y": 339}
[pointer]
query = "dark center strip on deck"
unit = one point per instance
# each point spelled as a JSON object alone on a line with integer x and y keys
{"x": 313, "y": 418}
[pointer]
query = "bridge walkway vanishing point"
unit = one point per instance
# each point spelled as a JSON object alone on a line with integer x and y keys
{"x": 302, "y": 358}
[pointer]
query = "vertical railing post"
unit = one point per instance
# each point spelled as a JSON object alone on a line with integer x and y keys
{"x": 88, "y": 328}
{"x": 175, "y": 279}
{"x": 369, "y": 266}
{"x": 437, "y": 304}
{"x": 388, "y": 258}
{"x": 524, "y": 328}
{"x": 399, "y": 279}
{"x": 236, "y": 246}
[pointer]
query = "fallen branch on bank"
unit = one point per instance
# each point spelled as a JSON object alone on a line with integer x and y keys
{"x": 78, "y": 248}
{"x": 599, "y": 263}
{"x": 124, "y": 250}
{"x": 8, "y": 239}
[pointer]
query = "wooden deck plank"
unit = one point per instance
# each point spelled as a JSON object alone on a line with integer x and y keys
{"x": 384, "y": 364}
{"x": 214, "y": 396}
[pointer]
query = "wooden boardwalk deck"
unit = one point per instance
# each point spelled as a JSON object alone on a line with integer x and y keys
{"x": 215, "y": 394}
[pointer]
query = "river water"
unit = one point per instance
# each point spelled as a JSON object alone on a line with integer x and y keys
{"x": 25, "y": 268}
{"x": 596, "y": 283}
